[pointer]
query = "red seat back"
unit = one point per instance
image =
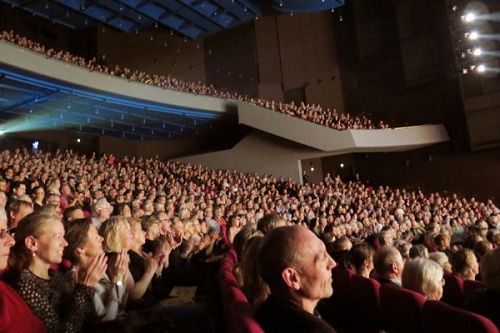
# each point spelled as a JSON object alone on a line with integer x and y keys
{"x": 439, "y": 317}
{"x": 365, "y": 304}
{"x": 453, "y": 290}
{"x": 401, "y": 309}
{"x": 470, "y": 287}
{"x": 239, "y": 317}
{"x": 341, "y": 280}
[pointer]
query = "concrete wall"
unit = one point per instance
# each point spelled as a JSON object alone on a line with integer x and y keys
{"x": 260, "y": 153}
{"x": 435, "y": 168}
{"x": 299, "y": 52}
{"x": 330, "y": 140}
{"x": 155, "y": 51}
{"x": 164, "y": 149}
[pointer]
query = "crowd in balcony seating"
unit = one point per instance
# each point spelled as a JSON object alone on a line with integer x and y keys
{"x": 94, "y": 240}
{"x": 310, "y": 112}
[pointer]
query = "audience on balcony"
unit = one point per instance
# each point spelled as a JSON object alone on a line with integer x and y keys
{"x": 310, "y": 112}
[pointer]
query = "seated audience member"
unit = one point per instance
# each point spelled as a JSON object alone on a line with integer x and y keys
{"x": 294, "y": 262}
{"x": 101, "y": 211}
{"x": 386, "y": 237}
{"x": 270, "y": 222}
{"x": 118, "y": 236}
{"x": 151, "y": 226}
{"x": 17, "y": 210}
{"x": 442, "y": 259}
{"x": 38, "y": 197}
{"x": 233, "y": 227}
{"x": 72, "y": 213}
{"x": 487, "y": 301}
{"x": 481, "y": 248}
{"x": 15, "y": 315}
{"x": 252, "y": 284}
{"x": 84, "y": 246}
{"x": 56, "y": 299}
{"x": 242, "y": 237}
{"x": 442, "y": 242}
{"x": 419, "y": 251}
{"x": 361, "y": 257}
{"x": 464, "y": 264}
{"x": 52, "y": 198}
{"x": 123, "y": 209}
{"x": 339, "y": 251}
{"x": 389, "y": 265}
{"x": 424, "y": 276}
{"x": 404, "y": 248}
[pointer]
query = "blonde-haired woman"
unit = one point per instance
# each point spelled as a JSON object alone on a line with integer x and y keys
{"x": 424, "y": 276}
{"x": 53, "y": 297}
{"x": 118, "y": 237}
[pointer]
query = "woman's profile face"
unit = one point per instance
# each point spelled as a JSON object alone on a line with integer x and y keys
{"x": 6, "y": 242}
{"x": 51, "y": 243}
{"x": 93, "y": 245}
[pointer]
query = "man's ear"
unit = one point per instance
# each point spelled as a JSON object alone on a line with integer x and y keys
{"x": 291, "y": 278}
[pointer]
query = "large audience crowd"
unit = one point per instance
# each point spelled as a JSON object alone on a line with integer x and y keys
{"x": 87, "y": 240}
{"x": 310, "y": 112}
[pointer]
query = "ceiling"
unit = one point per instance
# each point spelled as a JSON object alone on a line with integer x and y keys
{"x": 192, "y": 18}
{"x": 31, "y": 103}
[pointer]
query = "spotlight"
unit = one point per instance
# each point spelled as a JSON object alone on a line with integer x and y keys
{"x": 481, "y": 68}
{"x": 341, "y": 165}
{"x": 474, "y": 35}
{"x": 469, "y": 17}
{"x": 78, "y": 140}
{"x": 2, "y": 133}
{"x": 477, "y": 52}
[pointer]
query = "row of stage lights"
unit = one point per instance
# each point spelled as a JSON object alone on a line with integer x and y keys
{"x": 473, "y": 38}
{"x": 475, "y": 51}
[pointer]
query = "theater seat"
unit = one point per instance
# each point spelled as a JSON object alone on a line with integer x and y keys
{"x": 337, "y": 307}
{"x": 470, "y": 287}
{"x": 453, "y": 290}
{"x": 366, "y": 316}
{"x": 401, "y": 309}
{"x": 439, "y": 317}
{"x": 239, "y": 317}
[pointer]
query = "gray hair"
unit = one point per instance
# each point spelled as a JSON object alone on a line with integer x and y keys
{"x": 422, "y": 275}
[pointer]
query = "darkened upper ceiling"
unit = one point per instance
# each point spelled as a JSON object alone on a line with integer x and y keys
{"x": 192, "y": 18}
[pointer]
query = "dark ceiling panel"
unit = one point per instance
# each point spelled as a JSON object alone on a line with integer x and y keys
{"x": 193, "y": 18}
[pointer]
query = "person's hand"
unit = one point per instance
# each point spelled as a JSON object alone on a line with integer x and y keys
{"x": 91, "y": 274}
{"x": 119, "y": 267}
{"x": 175, "y": 239}
{"x": 151, "y": 264}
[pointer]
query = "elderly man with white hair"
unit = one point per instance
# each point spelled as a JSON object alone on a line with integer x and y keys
{"x": 101, "y": 211}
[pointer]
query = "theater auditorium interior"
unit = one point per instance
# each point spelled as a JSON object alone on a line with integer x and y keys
{"x": 248, "y": 166}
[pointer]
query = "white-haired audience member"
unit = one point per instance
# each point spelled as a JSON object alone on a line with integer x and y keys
{"x": 424, "y": 276}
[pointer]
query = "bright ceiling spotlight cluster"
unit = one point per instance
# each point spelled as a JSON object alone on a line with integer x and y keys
{"x": 469, "y": 17}
{"x": 473, "y": 35}
{"x": 481, "y": 68}
{"x": 477, "y": 52}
